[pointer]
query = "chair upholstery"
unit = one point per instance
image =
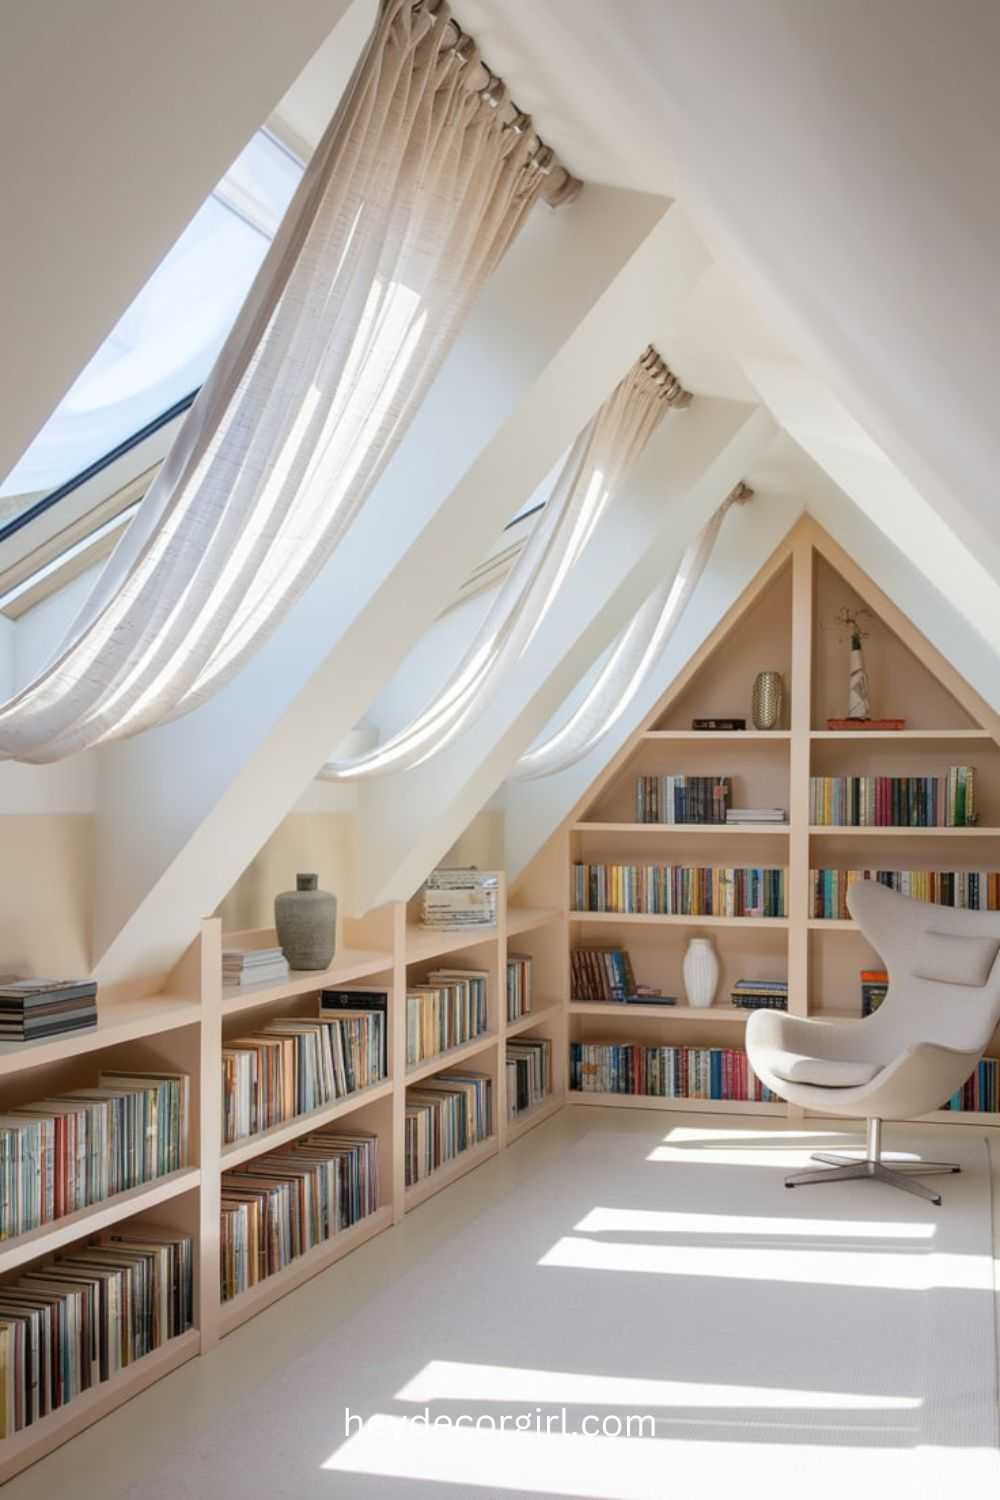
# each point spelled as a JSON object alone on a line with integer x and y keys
{"x": 941, "y": 1008}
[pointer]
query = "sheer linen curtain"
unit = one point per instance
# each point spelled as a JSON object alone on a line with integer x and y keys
{"x": 593, "y": 469}
{"x": 632, "y": 658}
{"x": 417, "y": 188}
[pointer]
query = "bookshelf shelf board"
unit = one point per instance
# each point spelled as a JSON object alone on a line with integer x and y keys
{"x": 642, "y": 918}
{"x": 900, "y": 734}
{"x": 540, "y": 1016}
{"x": 351, "y": 964}
{"x": 32, "y": 1443}
{"x": 117, "y": 1021}
{"x": 529, "y": 1118}
{"x": 684, "y": 828}
{"x": 716, "y": 1014}
{"x": 684, "y": 1106}
{"x": 525, "y": 918}
{"x": 423, "y": 943}
{"x": 723, "y": 736}
{"x": 449, "y": 1173}
{"x": 245, "y": 1149}
{"x": 416, "y": 1071}
{"x": 847, "y": 830}
{"x": 962, "y": 1117}
{"x": 238, "y": 1309}
{"x": 832, "y": 924}
{"x": 97, "y": 1216}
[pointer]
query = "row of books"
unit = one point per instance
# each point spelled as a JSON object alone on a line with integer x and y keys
{"x": 682, "y": 799}
{"x": 972, "y": 890}
{"x": 64, "y": 1153}
{"x": 664, "y": 1072}
{"x": 760, "y": 994}
{"x": 681, "y": 890}
{"x": 288, "y": 1067}
{"x": 518, "y": 985}
{"x": 447, "y": 1011}
{"x": 246, "y": 966}
{"x": 529, "y": 1073}
{"x": 894, "y": 801}
{"x": 34, "y": 1010}
{"x": 601, "y": 974}
{"x": 874, "y": 987}
{"x": 277, "y": 1207}
{"x": 444, "y": 1117}
{"x": 70, "y": 1325}
{"x": 981, "y": 1091}
{"x": 459, "y": 898}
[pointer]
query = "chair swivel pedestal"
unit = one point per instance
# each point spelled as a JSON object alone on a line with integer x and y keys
{"x": 921, "y": 1044}
{"x": 899, "y": 1175}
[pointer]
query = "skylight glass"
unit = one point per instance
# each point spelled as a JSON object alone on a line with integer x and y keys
{"x": 165, "y": 343}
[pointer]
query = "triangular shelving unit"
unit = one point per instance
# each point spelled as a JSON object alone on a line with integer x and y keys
{"x": 784, "y": 621}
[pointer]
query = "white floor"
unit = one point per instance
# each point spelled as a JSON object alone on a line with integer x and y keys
{"x": 614, "y": 1268}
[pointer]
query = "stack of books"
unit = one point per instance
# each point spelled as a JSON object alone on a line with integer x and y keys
{"x": 664, "y": 1072}
{"x": 277, "y": 1207}
{"x": 447, "y": 1011}
{"x": 444, "y": 1117}
{"x": 601, "y": 974}
{"x": 894, "y": 801}
{"x": 760, "y": 994}
{"x": 971, "y": 890}
{"x": 518, "y": 985}
{"x": 529, "y": 1073}
{"x": 32, "y": 1010}
{"x": 756, "y": 815}
{"x": 69, "y": 1325}
{"x": 682, "y": 799}
{"x": 459, "y": 898}
{"x": 289, "y": 1067}
{"x": 680, "y": 890}
{"x": 63, "y": 1154}
{"x": 874, "y": 986}
{"x": 243, "y": 966}
{"x": 362, "y": 997}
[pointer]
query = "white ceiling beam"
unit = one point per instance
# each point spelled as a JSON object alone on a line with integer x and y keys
{"x": 117, "y": 119}
{"x": 563, "y": 318}
{"x": 693, "y": 461}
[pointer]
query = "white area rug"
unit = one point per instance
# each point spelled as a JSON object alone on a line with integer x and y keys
{"x": 831, "y": 1341}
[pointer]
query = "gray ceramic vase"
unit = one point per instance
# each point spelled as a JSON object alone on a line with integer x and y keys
{"x": 306, "y": 923}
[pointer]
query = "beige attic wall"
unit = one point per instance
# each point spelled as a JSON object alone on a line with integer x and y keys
{"x": 326, "y": 842}
{"x": 46, "y": 886}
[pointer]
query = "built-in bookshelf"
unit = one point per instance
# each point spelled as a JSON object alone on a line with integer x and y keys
{"x": 181, "y": 1024}
{"x": 784, "y": 621}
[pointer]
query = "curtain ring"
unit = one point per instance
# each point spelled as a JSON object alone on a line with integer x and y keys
{"x": 488, "y": 93}
{"x": 520, "y": 122}
{"x": 542, "y": 159}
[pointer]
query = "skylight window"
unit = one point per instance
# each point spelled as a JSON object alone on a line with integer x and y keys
{"x": 164, "y": 345}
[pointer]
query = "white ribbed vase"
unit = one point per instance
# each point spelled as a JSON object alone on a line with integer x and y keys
{"x": 701, "y": 973}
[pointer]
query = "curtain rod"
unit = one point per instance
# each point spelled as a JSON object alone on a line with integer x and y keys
{"x": 562, "y": 187}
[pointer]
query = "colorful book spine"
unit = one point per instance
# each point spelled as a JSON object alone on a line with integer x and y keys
{"x": 874, "y": 988}
{"x": 682, "y": 799}
{"x": 969, "y": 890}
{"x": 680, "y": 890}
{"x": 528, "y": 1073}
{"x": 721, "y": 1073}
{"x": 448, "y": 1011}
{"x": 447, "y": 1115}
{"x": 760, "y": 994}
{"x": 518, "y": 985}
{"x": 980, "y": 1093}
{"x": 894, "y": 801}
{"x": 601, "y": 974}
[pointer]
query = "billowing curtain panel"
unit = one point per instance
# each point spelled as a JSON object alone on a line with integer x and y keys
{"x": 592, "y": 471}
{"x": 632, "y": 658}
{"x": 416, "y": 190}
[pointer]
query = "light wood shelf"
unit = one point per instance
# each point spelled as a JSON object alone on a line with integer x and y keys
{"x": 719, "y": 736}
{"x": 48, "y": 1238}
{"x": 248, "y": 1304}
{"x": 349, "y": 966}
{"x": 452, "y": 1055}
{"x": 520, "y": 1124}
{"x": 452, "y": 1170}
{"x": 425, "y": 943}
{"x": 832, "y": 924}
{"x": 683, "y": 829}
{"x": 234, "y": 1153}
{"x": 542, "y": 1015}
{"x": 42, "y": 1437}
{"x": 526, "y": 918}
{"x": 117, "y": 1021}
{"x": 681, "y": 1106}
{"x": 860, "y": 735}
{"x": 714, "y": 1015}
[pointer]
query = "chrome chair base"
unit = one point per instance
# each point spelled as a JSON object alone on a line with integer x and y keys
{"x": 899, "y": 1175}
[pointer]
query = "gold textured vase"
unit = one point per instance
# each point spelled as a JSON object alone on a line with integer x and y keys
{"x": 768, "y": 700}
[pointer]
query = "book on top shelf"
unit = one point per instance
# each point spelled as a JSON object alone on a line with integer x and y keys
{"x": 760, "y": 994}
{"x": 246, "y": 966}
{"x": 33, "y": 1010}
{"x": 728, "y": 726}
{"x": 872, "y": 725}
{"x": 453, "y": 899}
